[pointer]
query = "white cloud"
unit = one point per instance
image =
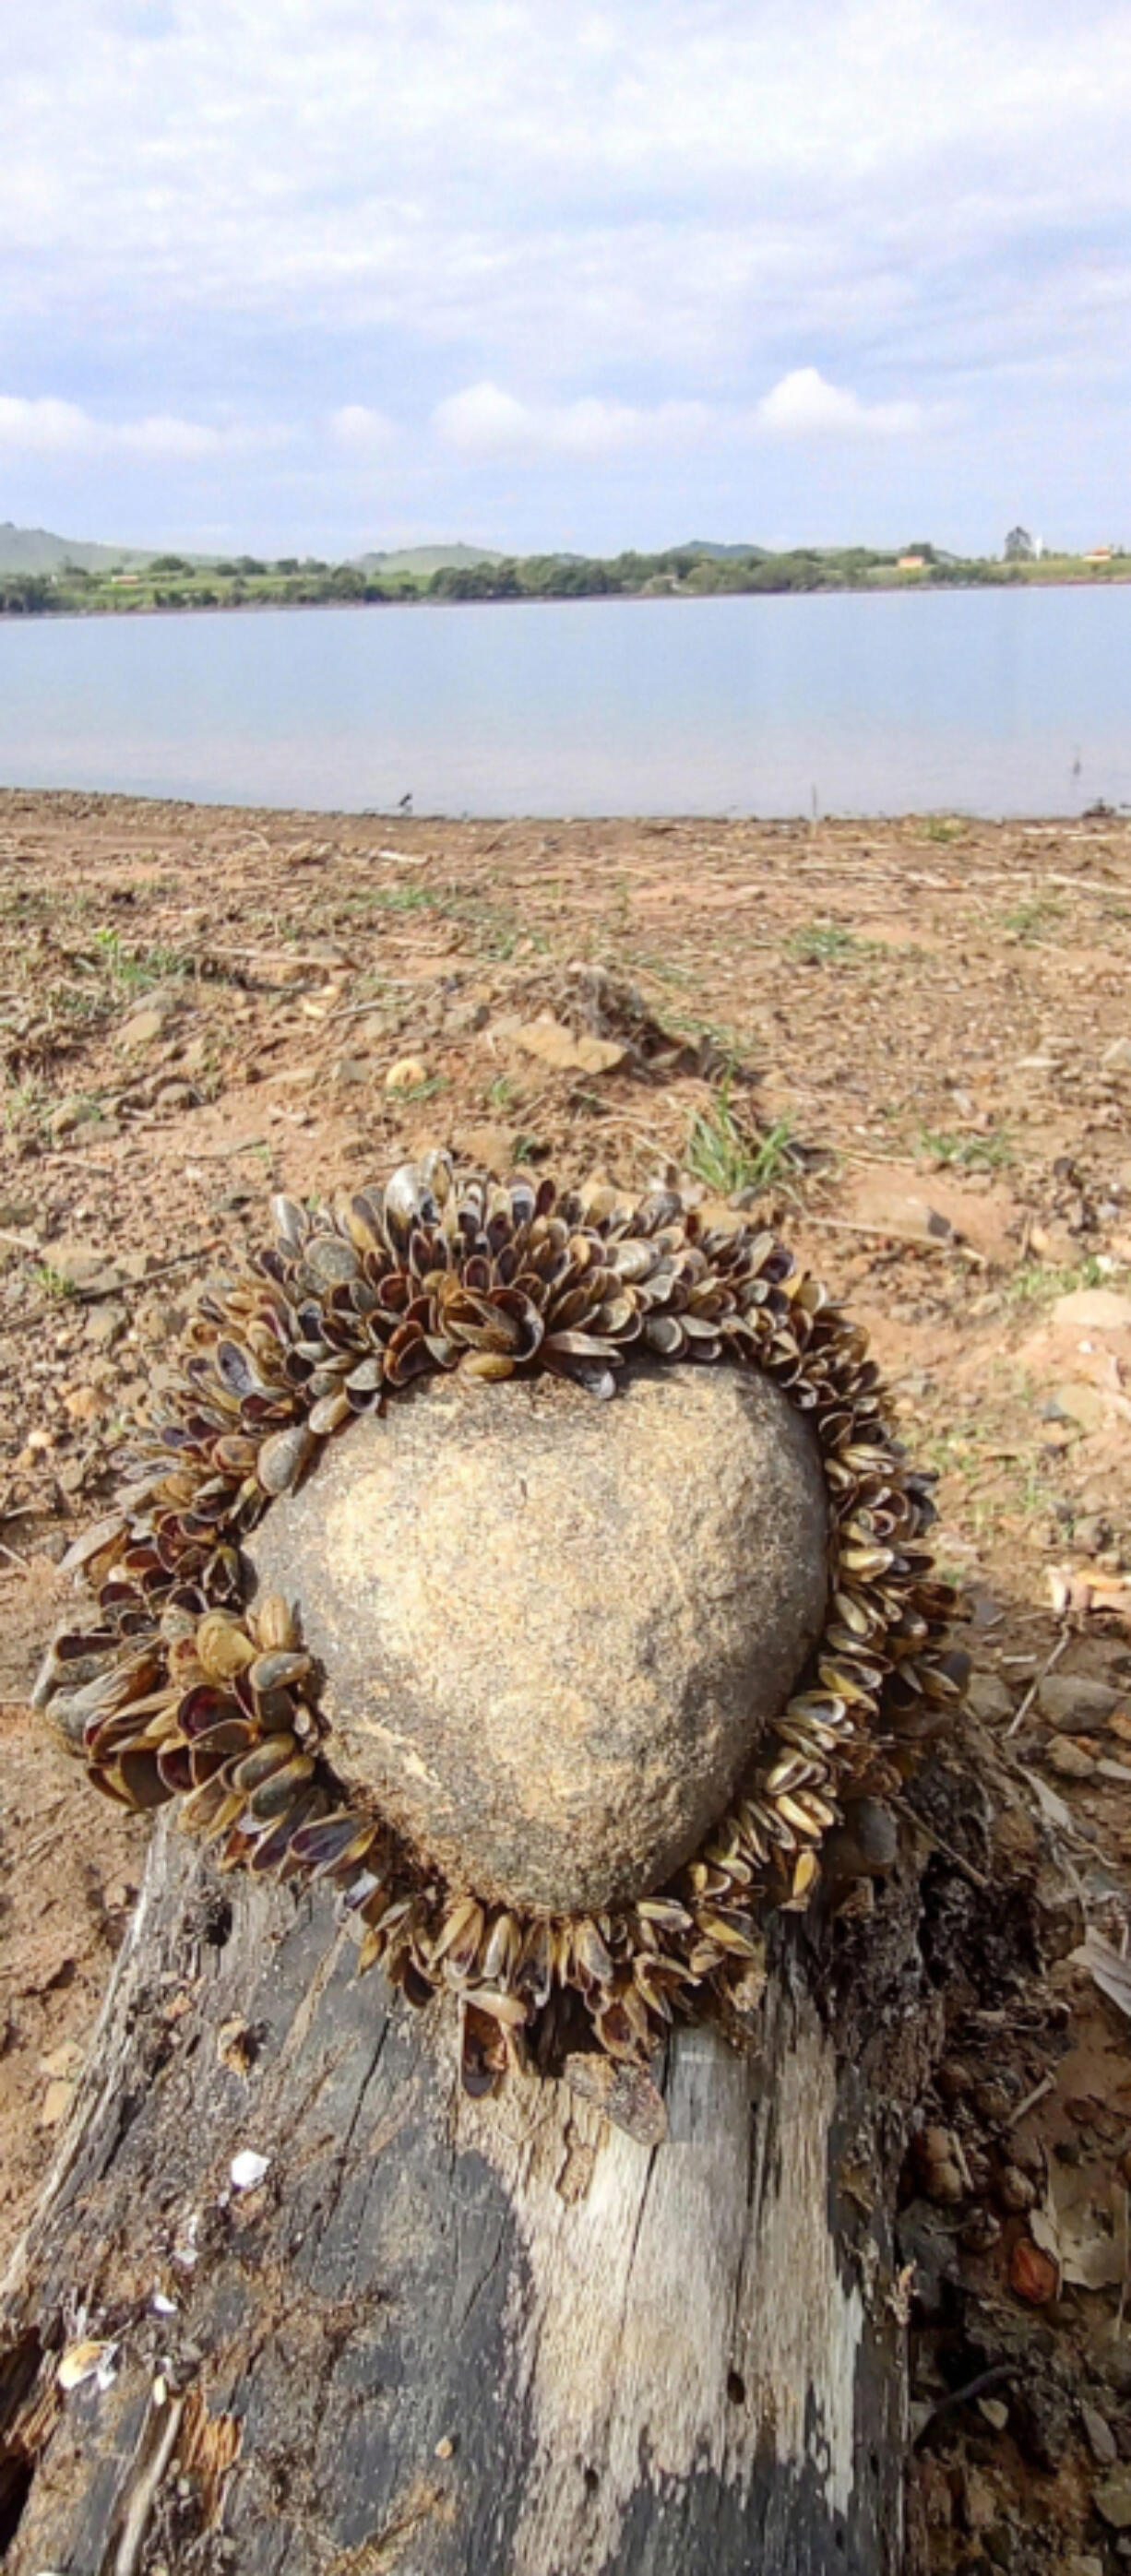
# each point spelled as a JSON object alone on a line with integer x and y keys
{"x": 673, "y": 181}
{"x": 805, "y": 405}
{"x": 361, "y": 431}
{"x": 42, "y": 426}
{"x": 161, "y": 435}
{"x": 687, "y": 200}
{"x": 485, "y": 423}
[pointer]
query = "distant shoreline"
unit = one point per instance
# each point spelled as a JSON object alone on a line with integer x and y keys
{"x": 73, "y": 613}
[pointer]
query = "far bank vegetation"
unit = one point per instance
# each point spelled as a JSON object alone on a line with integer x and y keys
{"x": 693, "y": 571}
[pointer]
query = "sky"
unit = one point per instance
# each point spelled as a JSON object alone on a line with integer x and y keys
{"x": 315, "y": 276}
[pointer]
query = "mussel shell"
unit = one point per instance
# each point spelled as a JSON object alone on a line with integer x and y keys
{"x": 277, "y": 1669}
{"x": 274, "y": 1623}
{"x": 275, "y": 1795}
{"x": 282, "y": 1457}
{"x": 263, "y": 1761}
{"x": 223, "y": 1646}
{"x": 332, "y": 1842}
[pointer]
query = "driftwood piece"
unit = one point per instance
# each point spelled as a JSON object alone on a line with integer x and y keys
{"x": 445, "y": 2338}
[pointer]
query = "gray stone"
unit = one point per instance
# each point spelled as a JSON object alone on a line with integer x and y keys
{"x": 989, "y": 1697}
{"x": 1101, "y": 2439}
{"x": 1070, "y": 1701}
{"x": 106, "y": 1323}
{"x": 143, "y": 1028}
{"x": 554, "y": 1629}
{"x": 1112, "y": 2500}
{"x": 1068, "y": 1759}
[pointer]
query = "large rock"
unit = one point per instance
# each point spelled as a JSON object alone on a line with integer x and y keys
{"x": 554, "y": 1629}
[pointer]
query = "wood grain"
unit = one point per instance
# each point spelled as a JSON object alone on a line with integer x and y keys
{"x": 452, "y": 2339}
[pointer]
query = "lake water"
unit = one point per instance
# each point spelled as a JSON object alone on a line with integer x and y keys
{"x": 989, "y": 702}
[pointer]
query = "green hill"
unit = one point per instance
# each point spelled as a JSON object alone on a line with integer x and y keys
{"x": 426, "y": 559}
{"x": 38, "y": 550}
{"x": 715, "y": 553}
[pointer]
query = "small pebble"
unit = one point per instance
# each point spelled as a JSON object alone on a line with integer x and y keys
{"x": 937, "y": 2155}
{"x": 995, "y": 2411}
{"x": 1112, "y": 2500}
{"x": 993, "y": 2102}
{"x": 56, "y": 2103}
{"x": 1072, "y": 1701}
{"x": 1068, "y": 1759}
{"x": 988, "y": 1697}
{"x": 1015, "y": 2191}
{"x": 980, "y": 2231}
{"x": 954, "y": 2079}
{"x": 1101, "y": 2440}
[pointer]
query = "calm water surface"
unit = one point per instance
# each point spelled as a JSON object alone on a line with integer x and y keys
{"x": 993, "y": 702}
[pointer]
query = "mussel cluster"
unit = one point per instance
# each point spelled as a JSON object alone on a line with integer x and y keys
{"x": 176, "y": 1687}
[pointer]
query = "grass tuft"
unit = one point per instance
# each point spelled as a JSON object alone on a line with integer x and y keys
{"x": 965, "y": 1153}
{"x": 823, "y": 943}
{"x": 728, "y": 1156}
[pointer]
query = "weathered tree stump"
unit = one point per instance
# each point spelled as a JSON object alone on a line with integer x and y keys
{"x": 293, "y": 2300}
{"x": 449, "y": 2338}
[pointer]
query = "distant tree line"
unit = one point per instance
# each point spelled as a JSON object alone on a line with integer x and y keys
{"x": 682, "y": 571}
{"x": 173, "y": 581}
{"x": 27, "y": 594}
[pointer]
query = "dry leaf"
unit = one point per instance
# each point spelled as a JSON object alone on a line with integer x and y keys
{"x": 1032, "y": 2273}
{"x": 1054, "y": 1808}
{"x": 1083, "y": 2230}
{"x": 1112, "y": 1972}
{"x": 1075, "y": 1590}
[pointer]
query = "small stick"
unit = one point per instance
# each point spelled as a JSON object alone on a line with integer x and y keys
{"x": 1063, "y": 1640}
{"x": 225, "y": 1153}
{"x": 979, "y": 2387}
{"x": 891, "y": 1234}
{"x": 947, "y": 1849}
{"x": 1046, "y": 2085}
{"x": 12, "y": 1554}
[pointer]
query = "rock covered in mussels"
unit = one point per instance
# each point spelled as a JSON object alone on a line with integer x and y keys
{"x": 552, "y": 1631}
{"x": 171, "y": 1684}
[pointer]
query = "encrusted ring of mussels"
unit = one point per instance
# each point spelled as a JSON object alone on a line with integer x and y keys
{"x": 176, "y": 1688}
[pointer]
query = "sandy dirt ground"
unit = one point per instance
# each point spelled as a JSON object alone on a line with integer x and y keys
{"x": 907, "y": 1043}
